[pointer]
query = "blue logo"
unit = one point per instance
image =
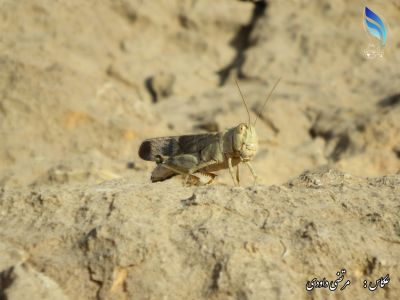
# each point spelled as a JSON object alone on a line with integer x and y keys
{"x": 375, "y": 26}
{"x": 377, "y": 29}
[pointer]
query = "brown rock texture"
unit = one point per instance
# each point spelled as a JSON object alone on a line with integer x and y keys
{"x": 126, "y": 240}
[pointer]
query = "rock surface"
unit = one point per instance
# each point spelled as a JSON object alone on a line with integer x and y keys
{"x": 126, "y": 240}
{"x": 83, "y": 84}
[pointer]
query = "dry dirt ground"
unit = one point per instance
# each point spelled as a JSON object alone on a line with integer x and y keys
{"x": 82, "y": 83}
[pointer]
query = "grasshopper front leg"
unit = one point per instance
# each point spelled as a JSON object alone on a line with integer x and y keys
{"x": 252, "y": 172}
{"x": 237, "y": 174}
{"x": 235, "y": 182}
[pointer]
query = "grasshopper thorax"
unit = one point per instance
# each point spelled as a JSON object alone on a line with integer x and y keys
{"x": 245, "y": 141}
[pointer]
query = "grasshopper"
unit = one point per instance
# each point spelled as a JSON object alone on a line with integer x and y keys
{"x": 197, "y": 156}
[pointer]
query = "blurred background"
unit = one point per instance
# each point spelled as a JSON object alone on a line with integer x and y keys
{"x": 83, "y": 83}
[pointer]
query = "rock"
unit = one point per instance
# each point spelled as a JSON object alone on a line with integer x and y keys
{"x": 366, "y": 142}
{"x": 160, "y": 86}
{"x": 121, "y": 239}
{"x": 24, "y": 282}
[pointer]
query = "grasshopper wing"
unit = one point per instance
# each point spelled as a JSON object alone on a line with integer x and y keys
{"x": 176, "y": 145}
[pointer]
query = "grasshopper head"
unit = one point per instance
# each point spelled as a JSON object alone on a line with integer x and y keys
{"x": 245, "y": 141}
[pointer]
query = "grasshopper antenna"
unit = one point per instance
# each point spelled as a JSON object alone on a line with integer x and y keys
{"x": 265, "y": 103}
{"x": 244, "y": 102}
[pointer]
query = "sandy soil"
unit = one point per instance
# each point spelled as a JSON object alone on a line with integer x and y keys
{"x": 83, "y": 84}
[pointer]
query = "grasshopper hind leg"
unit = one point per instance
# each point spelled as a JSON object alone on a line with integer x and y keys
{"x": 202, "y": 178}
{"x": 186, "y": 165}
{"x": 160, "y": 173}
{"x": 169, "y": 167}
